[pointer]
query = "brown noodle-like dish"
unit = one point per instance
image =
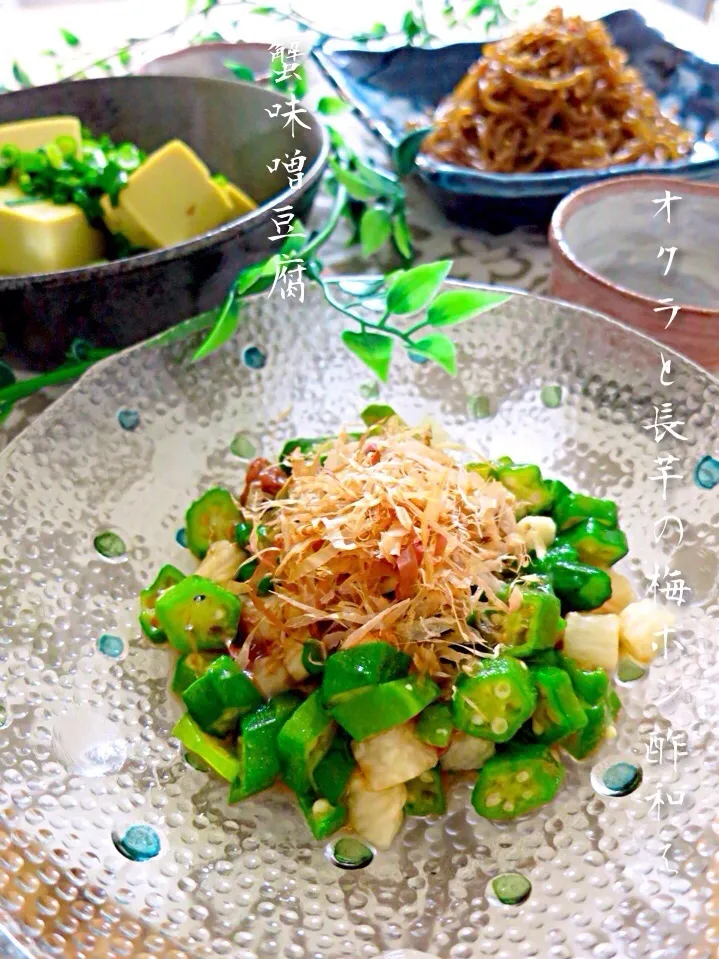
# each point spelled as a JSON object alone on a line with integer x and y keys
{"x": 557, "y": 96}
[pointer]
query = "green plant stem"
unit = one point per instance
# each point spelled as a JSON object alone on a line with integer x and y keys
{"x": 417, "y": 326}
{"x": 328, "y": 229}
{"x": 379, "y": 327}
{"x": 63, "y": 374}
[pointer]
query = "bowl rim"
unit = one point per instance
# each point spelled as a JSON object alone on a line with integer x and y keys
{"x": 139, "y": 261}
{"x": 594, "y": 192}
{"x": 213, "y": 46}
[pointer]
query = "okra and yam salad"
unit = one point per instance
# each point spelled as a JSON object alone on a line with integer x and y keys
{"x": 371, "y": 616}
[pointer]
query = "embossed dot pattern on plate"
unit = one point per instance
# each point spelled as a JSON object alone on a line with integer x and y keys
{"x": 88, "y": 751}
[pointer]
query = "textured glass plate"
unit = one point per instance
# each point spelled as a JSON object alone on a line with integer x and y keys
{"x": 85, "y": 751}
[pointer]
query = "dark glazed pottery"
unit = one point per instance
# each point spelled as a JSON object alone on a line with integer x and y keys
{"x": 394, "y": 88}
{"x": 117, "y": 304}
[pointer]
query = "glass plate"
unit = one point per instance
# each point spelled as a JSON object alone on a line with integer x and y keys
{"x": 85, "y": 752}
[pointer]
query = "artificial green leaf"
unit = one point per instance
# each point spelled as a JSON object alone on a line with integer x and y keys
{"x": 20, "y": 75}
{"x": 209, "y": 5}
{"x": 375, "y": 229}
{"x": 336, "y": 138}
{"x": 416, "y": 287}
{"x": 247, "y": 279}
{"x": 374, "y": 349}
{"x": 405, "y": 153}
{"x": 383, "y": 184}
{"x": 359, "y": 289}
{"x": 331, "y": 105}
{"x": 301, "y": 83}
{"x": 239, "y": 70}
{"x": 295, "y": 240}
{"x": 356, "y": 187}
{"x": 411, "y": 26}
{"x": 378, "y": 31}
{"x": 70, "y": 39}
{"x": 480, "y": 6}
{"x": 264, "y": 10}
{"x": 401, "y": 236}
{"x": 124, "y": 56}
{"x": 7, "y": 377}
{"x": 5, "y": 411}
{"x": 437, "y": 347}
{"x": 455, "y": 306}
{"x": 227, "y": 321}
{"x": 375, "y": 413}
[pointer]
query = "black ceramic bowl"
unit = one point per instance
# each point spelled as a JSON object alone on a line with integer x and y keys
{"x": 119, "y": 303}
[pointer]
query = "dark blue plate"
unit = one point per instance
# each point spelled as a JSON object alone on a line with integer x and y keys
{"x": 393, "y": 88}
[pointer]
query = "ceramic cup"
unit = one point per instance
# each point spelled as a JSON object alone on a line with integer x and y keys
{"x": 607, "y": 241}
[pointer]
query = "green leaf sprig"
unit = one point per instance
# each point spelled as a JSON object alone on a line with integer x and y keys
{"x": 372, "y": 200}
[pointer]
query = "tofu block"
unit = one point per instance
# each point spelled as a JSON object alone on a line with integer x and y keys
{"x": 118, "y": 221}
{"x": 32, "y": 134}
{"x": 42, "y": 237}
{"x": 241, "y": 203}
{"x": 171, "y": 197}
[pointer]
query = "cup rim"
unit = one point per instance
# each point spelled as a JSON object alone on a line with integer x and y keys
{"x": 562, "y": 251}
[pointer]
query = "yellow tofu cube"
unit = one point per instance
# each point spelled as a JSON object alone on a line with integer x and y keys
{"x": 118, "y": 221}
{"x": 38, "y": 236}
{"x": 171, "y": 197}
{"x": 31, "y": 134}
{"x": 241, "y": 203}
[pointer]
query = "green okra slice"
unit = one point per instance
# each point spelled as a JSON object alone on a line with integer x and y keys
{"x": 210, "y": 518}
{"x": 303, "y": 741}
{"x": 167, "y": 577}
{"x": 494, "y": 699}
{"x": 533, "y": 626}
{"x": 257, "y": 748}
{"x": 333, "y": 771}
{"x": 516, "y": 781}
{"x": 425, "y": 794}
{"x": 435, "y": 725}
{"x": 592, "y": 685}
{"x": 580, "y": 587}
{"x": 368, "y": 664}
{"x": 559, "y": 711}
{"x": 197, "y": 614}
{"x": 218, "y": 699}
{"x": 576, "y": 507}
{"x": 190, "y": 667}
{"x": 370, "y": 710}
{"x": 527, "y": 485}
{"x": 595, "y": 543}
{"x": 322, "y": 817}
{"x": 212, "y": 752}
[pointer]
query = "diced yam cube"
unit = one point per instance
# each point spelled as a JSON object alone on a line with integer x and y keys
{"x": 592, "y": 640}
{"x": 642, "y": 629}
{"x": 622, "y": 594}
{"x": 376, "y": 815}
{"x": 393, "y": 756}
{"x": 465, "y": 752}
{"x": 222, "y": 561}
